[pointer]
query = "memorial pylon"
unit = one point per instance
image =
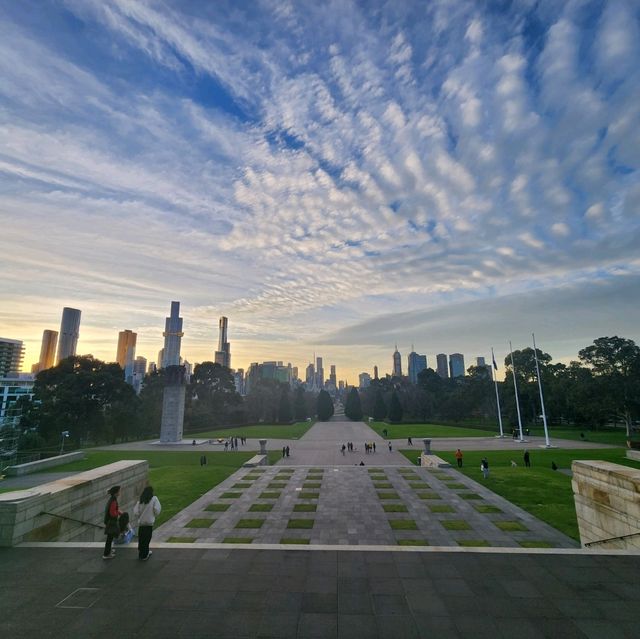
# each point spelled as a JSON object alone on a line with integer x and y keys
{"x": 174, "y": 385}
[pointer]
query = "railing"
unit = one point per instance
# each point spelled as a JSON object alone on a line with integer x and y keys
{"x": 78, "y": 521}
{"x": 604, "y": 541}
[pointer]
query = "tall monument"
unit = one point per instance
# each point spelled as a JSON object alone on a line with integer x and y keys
{"x": 174, "y": 385}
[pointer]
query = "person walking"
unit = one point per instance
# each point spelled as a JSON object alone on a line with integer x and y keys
{"x": 343, "y": 449}
{"x": 111, "y": 525}
{"x": 458, "y": 457}
{"x": 284, "y": 452}
{"x": 390, "y": 447}
{"x": 409, "y": 441}
{"x": 146, "y": 511}
{"x": 527, "y": 459}
{"x": 484, "y": 467}
{"x": 287, "y": 451}
{"x": 374, "y": 446}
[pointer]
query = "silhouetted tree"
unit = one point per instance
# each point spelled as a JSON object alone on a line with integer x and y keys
{"x": 395, "y": 408}
{"x": 353, "y": 407}
{"x": 379, "y": 407}
{"x": 284, "y": 410}
{"x": 324, "y": 406}
{"x": 300, "y": 404}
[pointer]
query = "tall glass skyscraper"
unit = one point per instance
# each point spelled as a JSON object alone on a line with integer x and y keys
{"x": 47, "y": 350}
{"x": 69, "y": 333}
{"x": 223, "y": 354}
{"x": 417, "y": 363}
{"x": 442, "y": 366}
{"x": 456, "y": 365}
{"x": 397, "y": 363}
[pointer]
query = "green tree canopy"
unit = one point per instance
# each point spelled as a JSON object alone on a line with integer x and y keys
{"x": 353, "y": 407}
{"x": 213, "y": 395}
{"x": 379, "y": 407}
{"x": 300, "y": 404}
{"x": 284, "y": 409}
{"x": 324, "y": 406}
{"x": 395, "y": 408}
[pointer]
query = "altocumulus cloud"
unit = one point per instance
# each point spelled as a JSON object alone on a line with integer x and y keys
{"x": 307, "y": 168}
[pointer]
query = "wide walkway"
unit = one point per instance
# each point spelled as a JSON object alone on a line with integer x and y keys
{"x": 70, "y": 592}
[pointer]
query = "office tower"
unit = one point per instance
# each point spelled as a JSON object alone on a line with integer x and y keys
{"x": 442, "y": 366}
{"x": 11, "y": 356}
{"x": 341, "y": 385}
{"x": 69, "y": 333}
{"x": 47, "y": 351}
{"x": 364, "y": 380}
{"x": 310, "y": 376}
{"x": 397, "y": 363}
{"x": 160, "y": 358}
{"x": 152, "y": 368}
{"x": 139, "y": 371}
{"x": 294, "y": 372}
{"x": 172, "y": 337}
{"x": 238, "y": 380}
{"x": 417, "y": 363}
{"x": 126, "y": 353}
{"x": 375, "y": 372}
{"x": 332, "y": 377}
{"x": 480, "y": 363}
{"x": 319, "y": 373}
{"x": 456, "y": 365}
{"x": 223, "y": 354}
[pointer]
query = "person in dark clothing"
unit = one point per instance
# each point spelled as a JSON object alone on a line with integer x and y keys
{"x": 112, "y": 526}
{"x": 287, "y": 451}
{"x": 146, "y": 511}
{"x": 484, "y": 467}
{"x": 284, "y": 451}
{"x": 527, "y": 459}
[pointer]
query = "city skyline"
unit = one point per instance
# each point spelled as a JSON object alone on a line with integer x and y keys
{"x": 334, "y": 178}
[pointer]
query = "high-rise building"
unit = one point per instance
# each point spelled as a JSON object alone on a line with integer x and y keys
{"x": 69, "y": 333}
{"x": 223, "y": 354}
{"x": 364, "y": 380}
{"x": 333, "y": 380}
{"x": 47, "y": 351}
{"x": 456, "y": 365}
{"x": 341, "y": 385}
{"x": 310, "y": 376}
{"x": 375, "y": 372}
{"x": 160, "y": 358}
{"x": 294, "y": 372}
{"x": 238, "y": 380}
{"x": 319, "y": 373}
{"x": 139, "y": 371}
{"x": 397, "y": 363}
{"x": 11, "y": 356}
{"x": 126, "y": 353}
{"x": 417, "y": 363}
{"x": 480, "y": 362}
{"x": 172, "y": 337}
{"x": 442, "y": 366}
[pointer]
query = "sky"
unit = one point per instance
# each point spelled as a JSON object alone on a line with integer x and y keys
{"x": 334, "y": 177}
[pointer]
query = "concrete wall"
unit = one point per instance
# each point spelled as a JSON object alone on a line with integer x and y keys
{"x": 41, "y": 464}
{"x": 607, "y": 498}
{"x": 81, "y": 497}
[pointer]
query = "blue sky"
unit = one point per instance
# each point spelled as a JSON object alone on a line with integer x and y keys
{"x": 334, "y": 177}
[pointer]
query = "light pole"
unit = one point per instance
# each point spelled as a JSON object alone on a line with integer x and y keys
{"x": 64, "y": 434}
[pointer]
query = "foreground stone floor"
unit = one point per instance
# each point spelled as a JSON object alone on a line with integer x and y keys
{"x": 232, "y": 593}
{"x": 356, "y": 505}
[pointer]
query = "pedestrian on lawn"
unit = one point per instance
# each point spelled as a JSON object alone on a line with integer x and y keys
{"x": 459, "y": 457}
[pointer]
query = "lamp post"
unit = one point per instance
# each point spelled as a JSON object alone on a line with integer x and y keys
{"x": 64, "y": 434}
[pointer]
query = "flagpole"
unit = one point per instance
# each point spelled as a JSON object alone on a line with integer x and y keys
{"x": 495, "y": 381}
{"x": 544, "y": 414}
{"x": 515, "y": 387}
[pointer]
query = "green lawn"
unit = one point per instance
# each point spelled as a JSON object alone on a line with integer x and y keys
{"x": 177, "y": 477}
{"x": 263, "y": 431}
{"x": 543, "y": 492}
{"x": 416, "y": 431}
{"x": 616, "y": 437}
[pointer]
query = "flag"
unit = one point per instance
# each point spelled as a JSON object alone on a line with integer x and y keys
{"x": 495, "y": 366}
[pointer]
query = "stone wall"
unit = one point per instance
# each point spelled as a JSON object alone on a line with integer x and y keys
{"x": 607, "y": 498}
{"x": 41, "y": 464}
{"x": 75, "y": 502}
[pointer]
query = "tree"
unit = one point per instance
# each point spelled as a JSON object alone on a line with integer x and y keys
{"x": 379, "y": 407}
{"x": 395, "y": 408}
{"x": 615, "y": 363}
{"x": 353, "y": 407}
{"x": 284, "y": 410}
{"x": 300, "y": 404}
{"x": 263, "y": 401}
{"x": 213, "y": 395}
{"x": 324, "y": 406}
{"x": 151, "y": 397}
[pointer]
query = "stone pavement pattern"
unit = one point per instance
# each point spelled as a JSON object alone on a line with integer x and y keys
{"x": 251, "y": 594}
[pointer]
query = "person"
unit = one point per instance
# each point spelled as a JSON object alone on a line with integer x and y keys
{"x": 287, "y": 451}
{"x": 554, "y": 466}
{"x": 390, "y": 447}
{"x": 146, "y": 510}
{"x": 361, "y": 463}
{"x": 484, "y": 466}
{"x": 343, "y": 448}
{"x": 284, "y": 452}
{"x": 527, "y": 459}
{"x": 193, "y": 443}
{"x": 374, "y": 446}
{"x": 458, "y": 457}
{"x": 112, "y": 527}
{"x": 409, "y": 441}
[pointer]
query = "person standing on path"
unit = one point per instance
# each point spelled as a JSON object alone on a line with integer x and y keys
{"x": 484, "y": 466}
{"x": 374, "y": 447}
{"x": 286, "y": 450}
{"x": 527, "y": 459}
{"x": 146, "y": 511}
{"x": 390, "y": 447}
{"x": 112, "y": 527}
{"x": 458, "y": 457}
{"x": 343, "y": 449}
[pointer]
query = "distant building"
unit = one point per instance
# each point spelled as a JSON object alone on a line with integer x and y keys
{"x": 188, "y": 369}
{"x": 267, "y": 370}
{"x": 126, "y": 353}
{"x": 11, "y": 356}
{"x": 238, "y": 380}
{"x": 69, "y": 333}
{"x": 375, "y": 372}
{"x": 139, "y": 371}
{"x": 442, "y": 366}
{"x": 310, "y": 377}
{"x": 333, "y": 380}
{"x": 456, "y": 365}
{"x": 341, "y": 385}
{"x": 480, "y": 362}
{"x": 172, "y": 337}
{"x": 160, "y": 358}
{"x": 47, "y": 351}
{"x": 319, "y": 373}
{"x": 417, "y": 363}
{"x": 223, "y": 354}
{"x": 364, "y": 380}
{"x": 294, "y": 373}
{"x": 12, "y": 389}
{"x": 397, "y": 363}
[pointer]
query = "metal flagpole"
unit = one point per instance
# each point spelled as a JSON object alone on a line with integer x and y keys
{"x": 495, "y": 381}
{"x": 544, "y": 413}
{"x": 515, "y": 388}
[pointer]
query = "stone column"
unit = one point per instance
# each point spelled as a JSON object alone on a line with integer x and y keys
{"x": 427, "y": 446}
{"x": 263, "y": 446}
{"x": 173, "y": 405}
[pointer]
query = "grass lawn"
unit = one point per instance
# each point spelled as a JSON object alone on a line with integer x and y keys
{"x": 539, "y": 490}
{"x": 176, "y": 476}
{"x": 200, "y": 523}
{"x": 300, "y": 523}
{"x": 263, "y": 431}
{"x": 403, "y": 524}
{"x": 402, "y": 431}
{"x": 617, "y": 437}
{"x": 395, "y": 508}
{"x": 250, "y": 523}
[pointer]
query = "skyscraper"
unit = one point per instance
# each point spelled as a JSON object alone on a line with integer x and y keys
{"x": 172, "y": 337}
{"x": 332, "y": 377}
{"x": 127, "y": 351}
{"x": 319, "y": 373}
{"x": 47, "y": 351}
{"x": 442, "y": 366}
{"x": 11, "y": 356}
{"x": 364, "y": 380}
{"x": 310, "y": 376}
{"x": 69, "y": 333}
{"x": 456, "y": 365}
{"x": 375, "y": 372}
{"x": 223, "y": 354}
{"x": 397, "y": 363}
{"x": 417, "y": 363}
{"x": 139, "y": 371}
